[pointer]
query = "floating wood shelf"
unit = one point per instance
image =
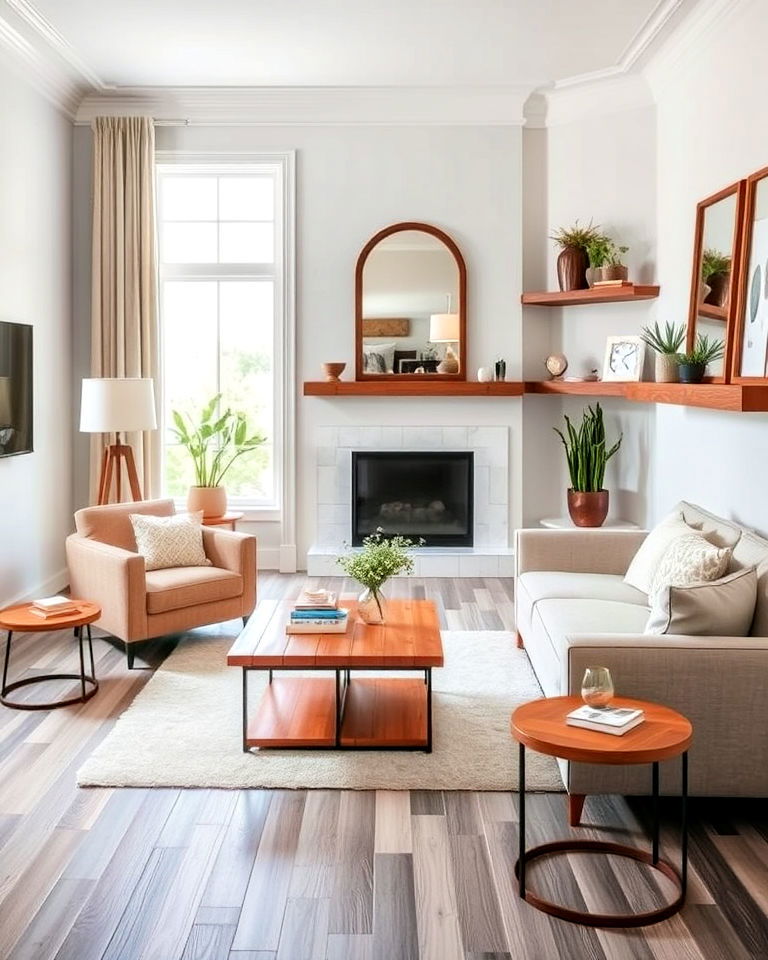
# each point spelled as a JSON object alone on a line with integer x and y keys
{"x": 749, "y": 398}
{"x": 573, "y": 298}
{"x": 712, "y": 312}
{"x": 413, "y": 388}
{"x": 582, "y": 388}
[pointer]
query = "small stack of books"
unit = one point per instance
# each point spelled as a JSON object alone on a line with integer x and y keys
{"x": 316, "y": 611}
{"x": 53, "y": 607}
{"x": 614, "y": 720}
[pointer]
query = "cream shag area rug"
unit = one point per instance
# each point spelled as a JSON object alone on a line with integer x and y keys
{"x": 184, "y": 729}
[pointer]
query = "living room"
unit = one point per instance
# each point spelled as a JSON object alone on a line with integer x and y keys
{"x": 150, "y": 808}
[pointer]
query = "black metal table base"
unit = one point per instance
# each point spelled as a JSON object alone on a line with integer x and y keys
{"x": 88, "y": 684}
{"x": 679, "y": 878}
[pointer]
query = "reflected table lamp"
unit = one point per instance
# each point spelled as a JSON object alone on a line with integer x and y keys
{"x": 117, "y": 405}
{"x": 444, "y": 328}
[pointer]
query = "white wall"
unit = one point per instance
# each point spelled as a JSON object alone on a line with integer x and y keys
{"x": 35, "y": 198}
{"x": 710, "y": 133}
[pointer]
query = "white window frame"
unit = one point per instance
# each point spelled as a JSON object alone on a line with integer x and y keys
{"x": 282, "y": 167}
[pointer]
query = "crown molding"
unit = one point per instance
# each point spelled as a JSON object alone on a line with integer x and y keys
{"x": 314, "y": 106}
{"x": 611, "y": 94}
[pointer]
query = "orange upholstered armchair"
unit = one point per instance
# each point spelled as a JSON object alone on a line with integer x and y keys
{"x": 138, "y": 604}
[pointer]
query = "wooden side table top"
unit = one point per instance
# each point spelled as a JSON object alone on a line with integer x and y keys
{"x": 226, "y": 519}
{"x": 541, "y": 725}
{"x": 409, "y": 638}
{"x": 19, "y": 619}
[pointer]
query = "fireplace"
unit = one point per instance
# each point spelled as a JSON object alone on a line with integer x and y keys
{"x": 427, "y": 495}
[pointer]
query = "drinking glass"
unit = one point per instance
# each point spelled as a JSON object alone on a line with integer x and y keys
{"x": 597, "y": 687}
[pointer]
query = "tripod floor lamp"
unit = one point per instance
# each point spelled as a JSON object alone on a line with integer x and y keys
{"x": 117, "y": 405}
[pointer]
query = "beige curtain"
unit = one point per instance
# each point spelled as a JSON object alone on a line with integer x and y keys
{"x": 124, "y": 323}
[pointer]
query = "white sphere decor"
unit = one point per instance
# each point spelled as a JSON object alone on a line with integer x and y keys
{"x": 485, "y": 374}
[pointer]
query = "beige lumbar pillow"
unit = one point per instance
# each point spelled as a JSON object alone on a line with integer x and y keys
{"x": 645, "y": 562}
{"x": 175, "y": 541}
{"x": 722, "y": 608}
{"x": 690, "y": 559}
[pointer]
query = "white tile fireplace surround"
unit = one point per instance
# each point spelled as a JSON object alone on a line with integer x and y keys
{"x": 491, "y": 555}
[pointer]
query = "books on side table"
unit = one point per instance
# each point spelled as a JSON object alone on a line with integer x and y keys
{"x": 53, "y": 606}
{"x": 317, "y": 611}
{"x": 614, "y": 720}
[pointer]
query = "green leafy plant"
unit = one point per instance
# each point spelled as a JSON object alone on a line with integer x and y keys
{"x": 714, "y": 262}
{"x": 704, "y": 351}
{"x": 575, "y": 236}
{"x": 214, "y": 441}
{"x": 604, "y": 252}
{"x": 669, "y": 340}
{"x": 585, "y": 450}
{"x": 616, "y": 255}
{"x": 381, "y": 558}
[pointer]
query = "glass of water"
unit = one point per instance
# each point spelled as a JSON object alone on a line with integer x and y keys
{"x": 597, "y": 687}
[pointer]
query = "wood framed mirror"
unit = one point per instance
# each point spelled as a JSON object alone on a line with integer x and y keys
{"x": 411, "y": 306}
{"x": 750, "y": 351}
{"x": 715, "y": 276}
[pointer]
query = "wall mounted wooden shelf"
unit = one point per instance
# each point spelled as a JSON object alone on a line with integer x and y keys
{"x": 581, "y": 388}
{"x": 712, "y": 312}
{"x": 412, "y": 388}
{"x": 573, "y": 298}
{"x": 749, "y": 398}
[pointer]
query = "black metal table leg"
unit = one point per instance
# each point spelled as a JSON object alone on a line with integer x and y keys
{"x": 82, "y": 660}
{"x": 84, "y": 694}
{"x": 521, "y": 854}
{"x": 655, "y": 795}
{"x": 245, "y": 710}
{"x": 7, "y": 658}
{"x": 684, "y": 825}
{"x": 90, "y": 648}
{"x": 429, "y": 710}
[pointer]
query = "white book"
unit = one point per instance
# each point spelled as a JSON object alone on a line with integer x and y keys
{"x": 319, "y": 626}
{"x": 58, "y": 602}
{"x": 614, "y": 720}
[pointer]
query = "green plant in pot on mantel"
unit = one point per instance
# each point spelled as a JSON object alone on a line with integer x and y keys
{"x": 572, "y": 261}
{"x": 214, "y": 441}
{"x": 693, "y": 365}
{"x": 587, "y": 456}
{"x": 666, "y": 343}
{"x": 380, "y": 558}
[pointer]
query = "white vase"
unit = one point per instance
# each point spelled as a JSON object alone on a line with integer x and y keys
{"x": 485, "y": 374}
{"x": 666, "y": 368}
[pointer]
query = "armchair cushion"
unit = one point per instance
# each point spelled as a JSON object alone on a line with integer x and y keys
{"x": 167, "y": 542}
{"x": 176, "y": 587}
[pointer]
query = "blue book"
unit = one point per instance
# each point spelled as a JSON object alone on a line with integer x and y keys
{"x": 318, "y": 614}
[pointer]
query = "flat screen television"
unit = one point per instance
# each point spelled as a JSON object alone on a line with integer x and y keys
{"x": 15, "y": 388}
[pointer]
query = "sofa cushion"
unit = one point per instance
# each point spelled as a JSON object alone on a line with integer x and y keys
{"x": 545, "y": 585}
{"x": 645, "y": 563}
{"x": 690, "y": 559}
{"x": 720, "y": 608}
{"x": 177, "y": 587}
{"x": 752, "y": 551}
{"x": 723, "y": 533}
{"x": 111, "y": 523}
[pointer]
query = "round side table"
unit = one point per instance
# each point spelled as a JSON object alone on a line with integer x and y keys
{"x": 227, "y": 520}
{"x": 20, "y": 620}
{"x": 663, "y": 734}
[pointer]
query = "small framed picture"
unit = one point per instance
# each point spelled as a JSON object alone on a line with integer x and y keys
{"x": 624, "y": 358}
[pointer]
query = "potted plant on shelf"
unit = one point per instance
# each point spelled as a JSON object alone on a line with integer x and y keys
{"x": 666, "y": 343}
{"x": 214, "y": 442}
{"x": 613, "y": 267}
{"x": 381, "y": 558}
{"x": 693, "y": 365}
{"x": 572, "y": 261}
{"x": 597, "y": 254}
{"x": 585, "y": 451}
{"x": 716, "y": 277}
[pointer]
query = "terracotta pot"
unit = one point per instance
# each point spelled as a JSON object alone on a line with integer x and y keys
{"x": 211, "y": 500}
{"x": 572, "y": 266}
{"x": 588, "y": 509}
{"x": 666, "y": 368}
{"x": 719, "y": 284}
{"x": 617, "y": 272}
{"x": 691, "y": 372}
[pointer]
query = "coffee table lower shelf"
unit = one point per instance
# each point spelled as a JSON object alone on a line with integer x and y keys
{"x": 391, "y": 713}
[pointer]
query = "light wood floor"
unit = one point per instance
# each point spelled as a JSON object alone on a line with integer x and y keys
{"x": 282, "y": 875}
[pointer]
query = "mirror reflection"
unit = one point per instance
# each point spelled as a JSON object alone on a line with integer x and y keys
{"x": 718, "y": 237}
{"x": 410, "y": 307}
{"x": 754, "y": 344}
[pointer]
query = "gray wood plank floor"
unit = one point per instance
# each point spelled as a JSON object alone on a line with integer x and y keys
{"x": 288, "y": 875}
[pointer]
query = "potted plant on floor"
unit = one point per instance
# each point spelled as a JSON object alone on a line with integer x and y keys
{"x": 381, "y": 558}
{"x": 693, "y": 365}
{"x": 716, "y": 276}
{"x": 572, "y": 261}
{"x": 587, "y": 456}
{"x": 666, "y": 343}
{"x": 214, "y": 441}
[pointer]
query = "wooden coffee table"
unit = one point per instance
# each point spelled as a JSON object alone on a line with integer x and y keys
{"x": 341, "y": 711}
{"x": 664, "y": 734}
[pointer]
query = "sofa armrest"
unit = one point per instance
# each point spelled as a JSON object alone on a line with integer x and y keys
{"x": 115, "y": 579}
{"x": 236, "y": 552}
{"x": 576, "y": 551}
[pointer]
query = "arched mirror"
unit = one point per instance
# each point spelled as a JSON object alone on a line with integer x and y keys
{"x": 410, "y": 305}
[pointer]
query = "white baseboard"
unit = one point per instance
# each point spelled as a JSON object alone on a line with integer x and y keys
{"x": 54, "y": 584}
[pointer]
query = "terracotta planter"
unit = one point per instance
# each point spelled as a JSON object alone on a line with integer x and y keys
{"x": 719, "y": 284}
{"x": 211, "y": 500}
{"x": 691, "y": 372}
{"x": 572, "y": 266}
{"x": 666, "y": 368}
{"x": 617, "y": 272}
{"x": 588, "y": 509}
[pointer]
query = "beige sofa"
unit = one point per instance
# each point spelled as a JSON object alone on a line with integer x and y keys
{"x": 574, "y": 610}
{"x": 138, "y": 604}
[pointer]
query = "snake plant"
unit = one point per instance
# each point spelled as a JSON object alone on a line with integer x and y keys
{"x": 586, "y": 452}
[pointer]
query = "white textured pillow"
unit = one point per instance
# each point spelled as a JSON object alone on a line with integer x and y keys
{"x": 378, "y": 357}
{"x": 175, "y": 541}
{"x": 722, "y": 608}
{"x": 645, "y": 562}
{"x": 690, "y": 559}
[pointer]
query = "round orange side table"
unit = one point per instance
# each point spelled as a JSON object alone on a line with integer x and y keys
{"x": 663, "y": 734}
{"x": 19, "y": 620}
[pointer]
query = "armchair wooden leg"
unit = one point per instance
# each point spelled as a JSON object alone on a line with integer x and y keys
{"x": 575, "y": 808}
{"x": 519, "y": 641}
{"x": 130, "y": 655}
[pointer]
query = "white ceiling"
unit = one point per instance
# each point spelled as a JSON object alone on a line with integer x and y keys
{"x": 345, "y": 42}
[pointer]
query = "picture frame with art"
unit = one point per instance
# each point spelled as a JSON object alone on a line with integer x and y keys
{"x": 624, "y": 359}
{"x": 750, "y": 353}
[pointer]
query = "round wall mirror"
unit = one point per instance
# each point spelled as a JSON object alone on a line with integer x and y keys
{"x": 410, "y": 305}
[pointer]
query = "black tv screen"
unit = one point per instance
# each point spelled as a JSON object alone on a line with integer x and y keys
{"x": 15, "y": 388}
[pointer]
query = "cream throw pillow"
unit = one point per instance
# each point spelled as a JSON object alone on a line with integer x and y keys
{"x": 723, "y": 608}
{"x": 175, "y": 541}
{"x": 690, "y": 559}
{"x": 645, "y": 562}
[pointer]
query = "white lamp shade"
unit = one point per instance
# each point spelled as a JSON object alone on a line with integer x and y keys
{"x": 117, "y": 405}
{"x": 5, "y": 402}
{"x": 444, "y": 327}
